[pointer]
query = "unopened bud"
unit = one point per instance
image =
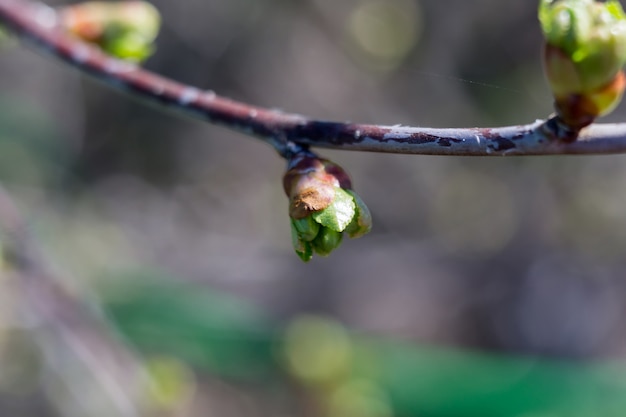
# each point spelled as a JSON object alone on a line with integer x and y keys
{"x": 584, "y": 54}
{"x": 123, "y": 29}
{"x": 322, "y": 206}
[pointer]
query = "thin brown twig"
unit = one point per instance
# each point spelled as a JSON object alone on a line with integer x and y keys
{"x": 37, "y": 24}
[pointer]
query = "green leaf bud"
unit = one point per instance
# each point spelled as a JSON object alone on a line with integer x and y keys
{"x": 126, "y": 30}
{"x": 584, "y": 55}
{"x": 322, "y": 205}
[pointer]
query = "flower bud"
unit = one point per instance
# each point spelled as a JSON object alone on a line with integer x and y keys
{"x": 322, "y": 206}
{"x": 126, "y": 30}
{"x": 584, "y": 54}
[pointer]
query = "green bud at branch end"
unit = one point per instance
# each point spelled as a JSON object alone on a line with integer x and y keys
{"x": 322, "y": 206}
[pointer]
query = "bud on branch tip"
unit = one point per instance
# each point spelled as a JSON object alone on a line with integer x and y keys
{"x": 584, "y": 54}
{"x": 322, "y": 205}
{"x": 126, "y": 29}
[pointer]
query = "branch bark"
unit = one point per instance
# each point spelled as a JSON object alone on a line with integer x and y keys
{"x": 37, "y": 24}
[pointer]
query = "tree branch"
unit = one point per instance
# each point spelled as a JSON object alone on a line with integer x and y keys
{"x": 38, "y": 24}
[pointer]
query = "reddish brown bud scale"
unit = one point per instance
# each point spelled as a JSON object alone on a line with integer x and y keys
{"x": 339, "y": 174}
{"x": 89, "y": 20}
{"x": 575, "y": 110}
{"x": 82, "y": 22}
{"x": 580, "y": 110}
{"x": 298, "y": 167}
{"x": 313, "y": 196}
{"x": 310, "y": 184}
{"x": 308, "y": 187}
{"x": 322, "y": 169}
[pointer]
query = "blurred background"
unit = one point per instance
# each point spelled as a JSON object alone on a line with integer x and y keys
{"x": 488, "y": 286}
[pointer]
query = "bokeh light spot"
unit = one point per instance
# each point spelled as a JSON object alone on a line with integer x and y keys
{"x": 360, "y": 398}
{"x": 384, "y": 32}
{"x": 317, "y": 349}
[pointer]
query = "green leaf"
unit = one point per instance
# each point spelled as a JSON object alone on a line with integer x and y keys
{"x": 306, "y": 228}
{"x": 126, "y": 41}
{"x": 130, "y": 47}
{"x": 362, "y": 222}
{"x": 303, "y": 249}
{"x": 339, "y": 214}
{"x": 326, "y": 241}
{"x": 307, "y": 254}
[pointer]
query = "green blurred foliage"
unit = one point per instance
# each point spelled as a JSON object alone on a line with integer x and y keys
{"x": 185, "y": 321}
{"x": 353, "y": 375}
